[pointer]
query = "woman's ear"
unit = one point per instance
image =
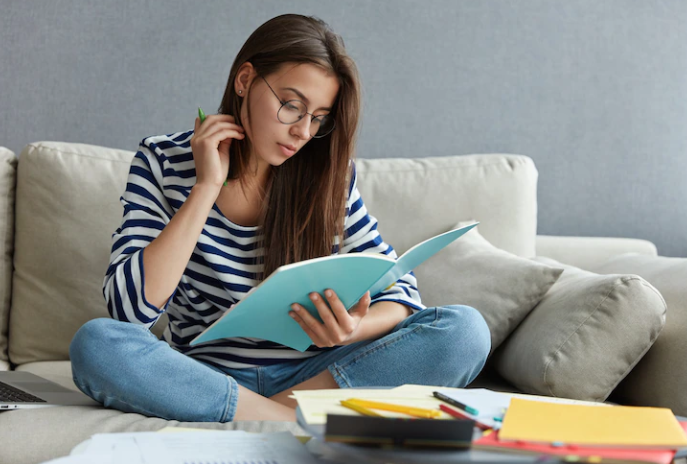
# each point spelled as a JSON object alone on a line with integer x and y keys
{"x": 244, "y": 77}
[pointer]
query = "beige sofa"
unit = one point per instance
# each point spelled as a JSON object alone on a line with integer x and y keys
{"x": 60, "y": 204}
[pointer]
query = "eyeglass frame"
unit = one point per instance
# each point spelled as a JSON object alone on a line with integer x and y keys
{"x": 306, "y": 112}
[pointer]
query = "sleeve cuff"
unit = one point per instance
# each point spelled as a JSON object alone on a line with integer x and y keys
{"x": 143, "y": 286}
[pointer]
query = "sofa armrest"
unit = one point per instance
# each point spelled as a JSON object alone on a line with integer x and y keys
{"x": 8, "y": 180}
{"x": 589, "y": 252}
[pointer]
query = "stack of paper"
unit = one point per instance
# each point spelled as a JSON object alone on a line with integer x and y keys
{"x": 532, "y": 424}
{"x": 316, "y": 404}
{"x": 209, "y": 447}
{"x": 613, "y": 434}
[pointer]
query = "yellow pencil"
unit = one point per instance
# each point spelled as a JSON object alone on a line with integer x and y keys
{"x": 411, "y": 411}
{"x": 360, "y": 409}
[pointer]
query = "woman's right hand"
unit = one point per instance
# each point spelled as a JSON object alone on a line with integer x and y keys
{"x": 210, "y": 145}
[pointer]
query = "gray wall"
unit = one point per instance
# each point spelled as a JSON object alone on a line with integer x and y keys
{"x": 594, "y": 91}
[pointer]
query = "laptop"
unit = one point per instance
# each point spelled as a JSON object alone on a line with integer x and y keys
{"x": 24, "y": 390}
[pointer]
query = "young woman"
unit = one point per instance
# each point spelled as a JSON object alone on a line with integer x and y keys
{"x": 209, "y": 213}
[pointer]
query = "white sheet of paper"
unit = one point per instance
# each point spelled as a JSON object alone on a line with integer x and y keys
{"x": 228, "y": 447}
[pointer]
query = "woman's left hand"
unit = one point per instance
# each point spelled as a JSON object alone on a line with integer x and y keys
{"x": 339, "y": 327}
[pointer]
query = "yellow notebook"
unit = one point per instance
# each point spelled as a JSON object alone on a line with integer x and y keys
{"x": 536, "y": 421}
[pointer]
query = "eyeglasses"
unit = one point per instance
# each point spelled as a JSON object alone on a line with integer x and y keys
{"x": 292, "y": 111}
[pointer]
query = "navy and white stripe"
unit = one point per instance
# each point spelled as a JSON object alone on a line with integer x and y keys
{"x": 224, "y": 264}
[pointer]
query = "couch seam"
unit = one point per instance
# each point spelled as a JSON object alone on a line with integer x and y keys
{"x": 438, "y": 168}
{"x": 66, "y": 152}
{"x": 621, "y": 280}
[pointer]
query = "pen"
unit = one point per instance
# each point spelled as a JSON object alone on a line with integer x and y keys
{"x": 360, "y": 409}
{"x": 458, "y": 414}
{"x": 455, "y": 403}
{"x": 201, "y": 115}
{"x": 416, "y": 412}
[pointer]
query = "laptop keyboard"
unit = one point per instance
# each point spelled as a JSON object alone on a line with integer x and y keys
{"x": 9, "y": 394}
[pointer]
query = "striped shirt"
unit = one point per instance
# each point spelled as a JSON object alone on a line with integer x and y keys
{"x": 223, "y": 266}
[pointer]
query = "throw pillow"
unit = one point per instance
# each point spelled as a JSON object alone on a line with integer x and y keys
{"x": 585, "y": 335}
{"x": 659, "y": 379}
{"x": 501, "y": 286}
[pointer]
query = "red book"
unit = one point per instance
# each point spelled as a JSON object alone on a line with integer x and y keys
{"x": 491, "y": 442}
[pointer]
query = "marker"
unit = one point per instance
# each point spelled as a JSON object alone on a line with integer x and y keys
{"x": 455, "y": 403}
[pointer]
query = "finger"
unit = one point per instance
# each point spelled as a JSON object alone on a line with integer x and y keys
{"x": 220, "y": 117}
{"x": 306, "y": 328}
{"x": 326, "y": 314}
{"x": 362, "y": 307}
{"x": 224, "y": 134}
{"x": 212, "y": 133}
{"x": 197, "y": 124}
{"x": 344, "y": 320}
{"x": 216, "y": 125}
{"x": 317, "y": 328}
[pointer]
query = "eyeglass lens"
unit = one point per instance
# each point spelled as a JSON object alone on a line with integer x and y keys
{"x": 293, "y": 111}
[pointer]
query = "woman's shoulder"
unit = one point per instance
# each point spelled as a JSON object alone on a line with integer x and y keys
{"x": 169, "y": 160}
{"x": 167, "y": 146}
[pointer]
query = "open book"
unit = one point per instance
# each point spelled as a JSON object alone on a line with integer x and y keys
{"x": 263, "y": 313}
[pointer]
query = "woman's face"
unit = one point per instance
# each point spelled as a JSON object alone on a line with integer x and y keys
{"x": 274, "y": 142}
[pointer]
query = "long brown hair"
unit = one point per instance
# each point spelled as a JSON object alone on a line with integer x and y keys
{"x": 304, "y": 199}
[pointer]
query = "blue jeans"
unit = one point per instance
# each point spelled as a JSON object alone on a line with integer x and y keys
{"x": 126, "y": 367}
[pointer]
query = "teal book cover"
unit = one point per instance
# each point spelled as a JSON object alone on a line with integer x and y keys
{"x": 263, "y": 313}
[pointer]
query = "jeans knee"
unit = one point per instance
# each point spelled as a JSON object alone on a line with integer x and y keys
{"x": 87, "y": 340}
{"x": 471, "y": 332}
{"x": 482, "y": 338}
{"x": 99, "y": 340}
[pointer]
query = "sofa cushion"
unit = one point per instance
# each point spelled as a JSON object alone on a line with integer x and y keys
{"x": 501, "y": 286}
{"x": 67, "y": 208}
{"x": 8, "y": 174}
{"x": 415, "y": 199}
{"x": 660, "y": 377}
{"x": 585, "y": 335}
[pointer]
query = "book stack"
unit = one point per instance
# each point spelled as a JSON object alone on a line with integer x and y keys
{"x": 581, "y": 433}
